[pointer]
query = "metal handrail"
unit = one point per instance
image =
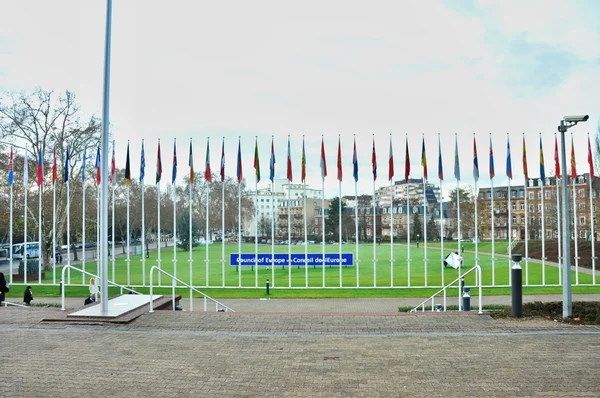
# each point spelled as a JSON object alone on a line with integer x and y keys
{"x": 478, "y": 283}
{"x": 192, "y": 289}
{"x": 7, "y": 303}
{"x": 62, "y": 291}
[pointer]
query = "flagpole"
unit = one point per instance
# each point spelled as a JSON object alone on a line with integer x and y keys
{"x": 592, "y": 231}
{"x": 158, "y": 259}
{"x": 11, "y": 233}
{"x": 391, "y": 178}
{"x": 26, "y": 184}
{"x": 527, "y": 236}
{"x": 476, "y": 178}
{"x": 425, "y": 178}
{"x": 272, "y": 234}
{"x": 191, "y": 237}
{"x": 98, "y": 242}
{"x": 441, "y": 177}
{"x": 289, "y": 218}
{"x": 374, "y": 165}
{"x": 174, "y": 230}
{"x": 223, "y": 214}
{"x": 128, "y": 239}
{"x": 83, "y": 219}
{"x": 142, "y": 175}
{"x": 323, "y": 172}
{"x": 493, "y": 210}
{"x": 509, "y": 168}
{"x": 407, "y": 175}
{"x": 68, "y": 227}
{"x": 256, "y": 213}
{"x": 355, "y": 212}
{"x": 303, "y": 178}
{"x": 575, "y": 231}
{"x": 207, "y": 173}
{"x": 458, "y": 238}
{"x": 239, "y": 220}
{"x": 543, "y": 240}
{"x": 558, "y": 230}
{"x": 339, "y": 164}
{"x": 40, "y": 233}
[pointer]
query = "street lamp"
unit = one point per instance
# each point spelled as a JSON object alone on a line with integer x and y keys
{"x": 565, "y": 124}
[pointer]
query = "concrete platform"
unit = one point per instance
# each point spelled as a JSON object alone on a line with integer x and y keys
{"x": 117, "y": 306}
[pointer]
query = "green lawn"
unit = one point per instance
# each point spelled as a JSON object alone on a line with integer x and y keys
{"x": 425, "y": 277}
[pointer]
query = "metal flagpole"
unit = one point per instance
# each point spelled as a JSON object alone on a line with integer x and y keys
{"x": 104, "y": 160}
{"x": 128, "y": 239}
{"x": 425, "y": 178}
{"x": 406, "y": 176}
{"x": 323, "y": 174}
{"x": 527, "y": 235}
{"x": 142, "y": 169}
{"x": 543, "y": 238}
{"x": 374, "y": 166}
{"x": 173, "y": 177}
{"x": 223, "y": 213}
{"x": 11, "y": 177}
{"x": 592, "y": 230}
{"x": 303, "y": 179}
{"x": 356, "y": 211}
{"x": 391, "y": 178}
{"x": 68, "y": 215}
{"x": 289, "y": 177}
{"x": 272, "y": 235}
{"x": 257, "y": 167}
{"x": 476, "y": 178}
{"x": 158, "y": 259}
{"x": 339, "y": 171}
{"x": 441, "y": 177}
{"x": 191, "y": 237}
{"x": 509, "y": 232}
{"x": 492, "y": 173}
{"x": 207, "y": 178}
{"x": 458, "y": 238}
{"x": 26, "y": 185}
{"x": 575, "y": 232}
{"x": 40, "y": 257}
{"x": 558, "y": 218}
{"x": 98, "y": 231}
{"x": 83, "y": 241}
{"x": 239, "y": 230}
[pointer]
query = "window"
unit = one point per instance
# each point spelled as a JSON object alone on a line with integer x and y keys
{"x": 547, "y": 194}
{"x": 581, "y": 193}
{"x": 530, "y": 195}
{"x": 581, "y": 220}
{"x": 539, "y": 208}
{"x": 514, "y": 206}
{"x": 580, "y": 206}
{"x": 548, "y": 234}
{"x": 531, "y": 207}
{"x": 539, "y": 195}
{"x": 514, "y": 219}
{"x": 522, "y": 219}
{"x": 522, "y": 206}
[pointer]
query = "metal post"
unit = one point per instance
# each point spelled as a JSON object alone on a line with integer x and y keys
{"x": 566, "y": 233}
{"x": 466, "y": 299}
{"x": 517, "y": 286}
{"x": 268, "y": 287}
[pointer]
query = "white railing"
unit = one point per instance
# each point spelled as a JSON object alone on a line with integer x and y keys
{"x": 478, "y": 284}
{"x": 62, "y": 291}
{"x": 7, "y": 303}
{"x": 218, "y": 304}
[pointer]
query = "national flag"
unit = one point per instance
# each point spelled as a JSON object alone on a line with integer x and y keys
{"x": 573, "y": 165}
{"x": 289, "y": 162}
{"x": 406, "y": 162}
{"x": 239, "y": 162}
{"x": 26, "y": 168}
{"x": 83, "y": 165}
{"x": 256, "y": 161}
{"x": 142, "y": 165}
{"x": 508, "y": 159}
{"x": 127, "y": 167}
{"x": 98, "y": 166}
{"x": 492, "y": 173}
{"x": 475, "y": 161}
{"x": 191, "y": 163}
{"x": 113, "y": 166}
{"x": 542, "y": 167}
{"x": 223, "y": 160}
{"x": 303, "y": 174}
{"x": 590, "y": 159}
{"x": 355, "y": 163}
{"x": 374, "y": 161}
{"x": 40, "y": 169}
{"x": 158, "y": 165}
{"x": 11, "y": 168}
{"x": 525, "y": 171}
{"x": 424, "y": 160}
{"x": 54, "y": 168}
{"x": 272, "y": 160}
{"x": 174, "y": 173}
{"x": 556, "y": 161}
{"x": 339, "y": 160}
{"x": 440, "y": 165}
{"x": 323, "y": 160}
{"x": 456, "y": 161}
{"x": 207, "y": 171}
{"x": 66, "y": 176}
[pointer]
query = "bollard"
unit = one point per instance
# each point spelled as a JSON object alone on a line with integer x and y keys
{"x": 268, "y": 287}
{"x": 438, "y": 307}
{"x": 466, "y": 299}
{"x": 517, "y": 286}
{"x": 60, "y": 287}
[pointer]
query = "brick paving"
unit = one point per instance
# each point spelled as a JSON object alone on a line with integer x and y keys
{"x": 301, "y": 354}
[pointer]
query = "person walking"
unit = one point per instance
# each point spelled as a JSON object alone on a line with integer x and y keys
{"x": 27, "y": 296}
{"x": 4, "y": 288}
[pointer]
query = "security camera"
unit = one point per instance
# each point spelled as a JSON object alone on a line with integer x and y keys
{"x": 576, "y": 118}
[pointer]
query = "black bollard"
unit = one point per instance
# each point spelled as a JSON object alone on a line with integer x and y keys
{"x": 466, "y": 299}
{"x": 517, "y": 286}
{"x": 268, "y": 287}
{"x": 60, "y": 287}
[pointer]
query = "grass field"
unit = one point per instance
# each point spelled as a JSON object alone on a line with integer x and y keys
{"x": 425, "y": 276}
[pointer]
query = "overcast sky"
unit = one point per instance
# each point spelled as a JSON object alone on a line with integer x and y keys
{"x": 201, "y": 69}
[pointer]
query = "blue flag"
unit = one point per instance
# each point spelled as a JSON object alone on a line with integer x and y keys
{"x": 355, "y": 163}
{"x": 542, "y": 168}
{"x": 11, "y": 169}
{"x": 142, "y": 164}
{"x": 508, "y": 161}
{"x": 67, "y": 165}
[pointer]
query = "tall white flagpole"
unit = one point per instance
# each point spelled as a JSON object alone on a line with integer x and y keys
{"x": 560, "y": 260}
{"x": 527, "y": 234}
{"x": 206, "y": 235}
{"x": 407, "y": 176}
{"x": 174, "y": 209}
{"x": 543, "y": 238}
{"x": 425, "y": 180}
{"x": 223, "y": 213}
{"x": 323, "y": 174}
{"x": 509, "y": 213}
{"x": 592, "y": 237}
{"x": 355, "y": 213}
{"x": 272, "y": 234}
{"x": 40, "y": 257}
{"x": 492, "y": 173}
{"x": 142, "y": 175}
{"x": 256, "y": 213}
{"x": 68, "y": 224}
{"x": 98, "y": 232}
{"x": 158, "y": 258}
{"x": 475, "y": 199}
{"x": 83, "y": 218}
{"x": 441, "y": 177}
{"x": 303, "y": 179}
{"x": 11, "y": 177}
{"x": 339, "y": 167}
{"x": 26, "y": 184}
{"x": 575, "y": 232}
{"x": 374, "y": 165}
{"x": 239, "y": 220}
{"x": 289, "y": 210}
{"x": 391, "y": 178}
{"x": 191, "y": 185}
{"x": 458, "y": 238}
{"x": 128, "y": 239}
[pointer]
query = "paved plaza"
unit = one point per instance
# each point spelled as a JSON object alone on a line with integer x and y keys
{"x": 296, "y": 353}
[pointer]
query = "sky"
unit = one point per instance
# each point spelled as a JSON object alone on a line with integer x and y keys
{"x": 341, "y": 70}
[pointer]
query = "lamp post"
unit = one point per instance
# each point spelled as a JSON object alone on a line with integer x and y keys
{"x": 565, "y": 124}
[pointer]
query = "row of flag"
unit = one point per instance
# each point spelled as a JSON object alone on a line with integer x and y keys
{"x": 289, "y": 174}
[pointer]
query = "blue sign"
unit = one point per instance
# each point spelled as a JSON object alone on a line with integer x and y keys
{"x": 296, "y": 259}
